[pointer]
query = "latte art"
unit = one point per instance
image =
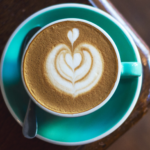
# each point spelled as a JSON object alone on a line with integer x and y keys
{"x": 77, "y": 70}
{"x": 70, "y": 67}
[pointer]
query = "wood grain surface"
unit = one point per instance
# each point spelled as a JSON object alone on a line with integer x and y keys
{"x": 13, "y": 12}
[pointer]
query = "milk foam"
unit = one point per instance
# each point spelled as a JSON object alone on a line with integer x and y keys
{"x": 74, "y": 73}
{"x": 73, "y": 35}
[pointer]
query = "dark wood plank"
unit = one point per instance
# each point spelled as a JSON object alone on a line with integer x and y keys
{"x": 137, "y": 12}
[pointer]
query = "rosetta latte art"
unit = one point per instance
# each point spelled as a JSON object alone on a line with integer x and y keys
{"x": 74, "y": 71}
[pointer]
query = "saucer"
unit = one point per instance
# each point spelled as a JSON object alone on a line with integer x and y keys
{"x": 79, "y": 130}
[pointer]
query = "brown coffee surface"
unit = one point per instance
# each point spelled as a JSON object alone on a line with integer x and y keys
{"x": 36, "y": 78}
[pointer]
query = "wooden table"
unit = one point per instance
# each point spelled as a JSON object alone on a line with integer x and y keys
{"x": 13, "y": 12}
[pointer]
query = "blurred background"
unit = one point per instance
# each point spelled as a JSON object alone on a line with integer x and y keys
{"x": 137, "y": 12}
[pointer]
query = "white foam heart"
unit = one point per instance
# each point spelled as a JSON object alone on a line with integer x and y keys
{"x": 74, "y": 61}
{"x": 60, "y": 68}
{"x": 73, "y": 35}
{"x": 74, "y": 74}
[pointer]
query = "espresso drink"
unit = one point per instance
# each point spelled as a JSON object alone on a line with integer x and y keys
{"x": 70, "y": 67}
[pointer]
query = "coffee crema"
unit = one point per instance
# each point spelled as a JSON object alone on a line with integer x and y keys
{"x": 70, "y": 67}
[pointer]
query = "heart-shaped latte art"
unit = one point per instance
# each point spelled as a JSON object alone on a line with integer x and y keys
{"x": 74, "y": 72}
{"x": 73, "y": 35}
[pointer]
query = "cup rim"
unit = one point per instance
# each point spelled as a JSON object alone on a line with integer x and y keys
{"x": 111, "y": 92}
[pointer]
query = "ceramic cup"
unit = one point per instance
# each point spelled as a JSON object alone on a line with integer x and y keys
{"x": 125, "y": 69}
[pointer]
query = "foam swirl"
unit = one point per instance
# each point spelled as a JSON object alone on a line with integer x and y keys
{"x": 74, "y": 71}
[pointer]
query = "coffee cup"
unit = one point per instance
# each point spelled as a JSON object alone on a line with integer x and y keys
{"x": 72, "y": 67}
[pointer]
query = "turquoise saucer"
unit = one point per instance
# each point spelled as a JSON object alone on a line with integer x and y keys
{"x": 80, "y": 130}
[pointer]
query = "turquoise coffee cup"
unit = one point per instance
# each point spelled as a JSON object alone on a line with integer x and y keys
{"x": 125, "y": 70}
